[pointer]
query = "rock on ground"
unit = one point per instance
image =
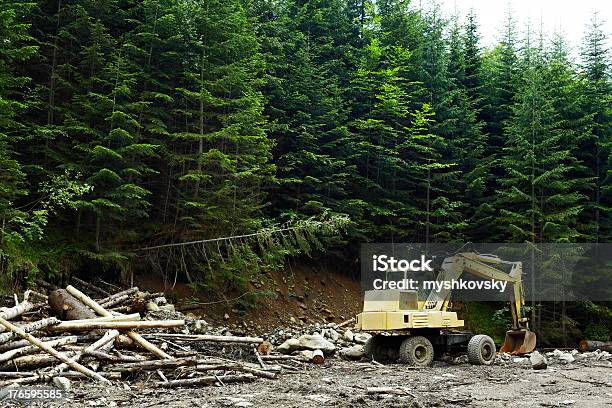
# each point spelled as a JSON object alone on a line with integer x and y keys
{"x": 289, "y": 346}
{"x": 316, "y": 342}
{"x": 352, "y": 353}
{"x": 361, "y": 338}
{"x": 538, "y": 361}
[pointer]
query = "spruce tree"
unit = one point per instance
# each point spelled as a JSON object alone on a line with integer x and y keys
{"x": 16, "y": 49}
{"x": 309, "y": 61}
{"x": 596, "y": 104}
{"x": 539, "y": 201}
{"x": 222, "y": 152}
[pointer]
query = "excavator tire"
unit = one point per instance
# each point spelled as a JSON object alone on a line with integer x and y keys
{"x": 374, "y": 349}
{"x": 416, "y": 351}
{"x": 481, "y": 350}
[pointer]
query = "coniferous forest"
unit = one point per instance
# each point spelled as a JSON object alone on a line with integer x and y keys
{"x": 126, "y": 124}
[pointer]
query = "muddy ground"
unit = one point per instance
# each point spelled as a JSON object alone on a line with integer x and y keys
{"x": 343, "y": 384}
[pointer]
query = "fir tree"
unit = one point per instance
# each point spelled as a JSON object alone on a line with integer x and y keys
{"x": 223, "y": 151}
{"x": 539, "y": 201}
{"x": 16, "y": 49}
{"x": 596, "y": 104}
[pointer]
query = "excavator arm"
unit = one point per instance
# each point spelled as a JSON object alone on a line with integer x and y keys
{"x": 518, "y": 340}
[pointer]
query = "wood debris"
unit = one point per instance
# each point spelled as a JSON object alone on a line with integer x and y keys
{"x": 86, "y": 332}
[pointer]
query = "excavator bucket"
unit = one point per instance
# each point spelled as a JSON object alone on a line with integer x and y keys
{"x": 519, "y": 342}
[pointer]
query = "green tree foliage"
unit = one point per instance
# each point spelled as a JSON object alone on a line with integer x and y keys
{"x": 16, "y": 49}
{"x": 596, "y": 104}
{"x": 134, "y": 123}
{"x": 539, "y": 200}
{"x": 309, "y": 49}
{"x": 222, "y": 154}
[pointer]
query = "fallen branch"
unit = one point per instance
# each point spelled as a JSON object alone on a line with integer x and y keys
{"x": 155, "y": 364}
{"x": 100, "y": 355}
{"x": 34, "y": 360}
{"x": 13, "y": 312}
{"x": 103, "y": 312}
{"x": 109, "y": 300}
{"x": 108, "y": 337}
{"x": 204, "y": 337}
{"x": 38, "y": 325}
{"x": 279, "y": 357}
{"x": 118, "y": 325}
{"x": 93, "y": 288}
{"x": 112, "y": 318}
{"x": 35, "y": 377}
{"x": 259, "y": 360}
{"x": 23, "y": 343}
{"x": 207, "y": 380}
{"x": 349, "y": 321}
{"x": 50, "y": 350}
{"x": 23, "y": 351}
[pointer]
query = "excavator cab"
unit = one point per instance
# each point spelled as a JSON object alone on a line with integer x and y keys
{"x": 520, "y": 341}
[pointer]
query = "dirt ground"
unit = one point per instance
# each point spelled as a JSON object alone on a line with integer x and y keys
{"x": 343, "y": 384}
{"x": 304, "y": 293}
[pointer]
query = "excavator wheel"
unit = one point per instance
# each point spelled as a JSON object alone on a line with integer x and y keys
{"x": 374, "y": 349}
{"x": 416, "y": 351}
{"x": 481, "y": 350}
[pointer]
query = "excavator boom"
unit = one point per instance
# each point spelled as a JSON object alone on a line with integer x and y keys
{"x": 520, "y": 339}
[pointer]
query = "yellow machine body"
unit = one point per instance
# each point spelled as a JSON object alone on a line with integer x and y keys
{"x": 401, "y": 310}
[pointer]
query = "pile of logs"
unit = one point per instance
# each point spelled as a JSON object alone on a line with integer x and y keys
{"x": 66, "y": 334}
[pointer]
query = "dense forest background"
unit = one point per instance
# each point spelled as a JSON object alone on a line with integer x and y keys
{"x": 130, "y": 123}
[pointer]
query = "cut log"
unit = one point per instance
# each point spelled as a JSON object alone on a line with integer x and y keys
{"x": 592, "y": 345}
{"x": 43, "y": 377}
{"x": 67, "y": 307}
{"x": 23, "y": 343}
{"x": 115, "y": 302}
{"x": 155, "y": 364}
{"x": 50, "y": 350}
{"x": 123, "y": 294}
{"x": 114, "y": 318}
{"x": 91, "y": 287}
{"x": 23, "y": 351}
{"x": 108, "y": 337}
{"x": 264, "y": 348}
{"x": 318, "y": 357}
{"x": 347, "y": 322}
{"x": 236, "y": 367}
{"x": 38, "y": 325}
{"x": 34, "y": 360}
{"x": 10, "y": 313}
{"x": 100, "y": 355}
{"x": 207, "y": 380}
{"x": 279, "y": 357}
{"x": 119, "y": 325}
{"x": 204, "y": 337}
{"x": 103, "y": 312}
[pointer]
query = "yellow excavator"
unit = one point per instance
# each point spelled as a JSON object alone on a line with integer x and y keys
{"x": 412, "y": 330}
